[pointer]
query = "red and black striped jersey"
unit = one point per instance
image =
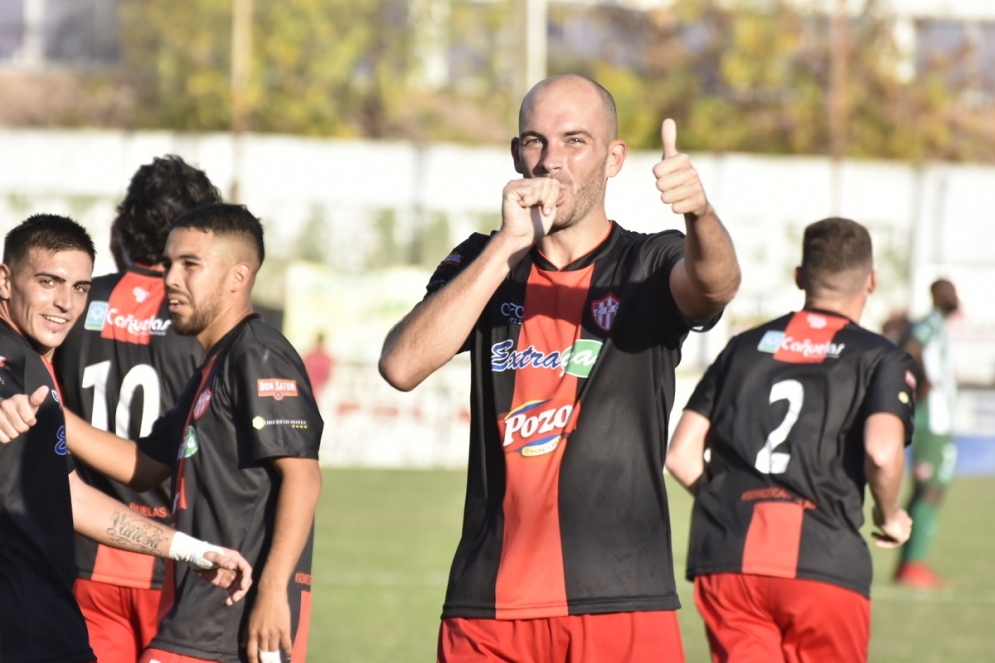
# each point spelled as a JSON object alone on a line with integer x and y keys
{"x": 249, "y": 402}
{"x": 572, "y": 385}
{"x": 120, "y": 368}
{"x": 39, "y": 618}
{"x": 783, "y": 490}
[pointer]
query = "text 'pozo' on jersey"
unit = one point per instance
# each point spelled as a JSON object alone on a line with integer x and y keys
{"x": 573, "y": 381}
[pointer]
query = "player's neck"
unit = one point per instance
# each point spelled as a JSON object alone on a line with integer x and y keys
{"x": 851, "y": 307}
{"x": 570, "y": 244}
{"x": 223, "y": 323}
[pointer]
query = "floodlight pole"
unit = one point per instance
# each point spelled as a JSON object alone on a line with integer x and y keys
{"x": 241, "y": 55}
{"x": 536, "y": 15}
{"x": 838, "y": 50}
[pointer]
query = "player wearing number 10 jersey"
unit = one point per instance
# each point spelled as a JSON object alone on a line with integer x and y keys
{"x": 798, "y": 415}
{"x": 120, "y": 368}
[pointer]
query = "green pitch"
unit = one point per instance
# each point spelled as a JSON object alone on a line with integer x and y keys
{"x": 384, "y": 541}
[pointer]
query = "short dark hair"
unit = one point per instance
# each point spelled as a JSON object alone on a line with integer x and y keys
{"x": 49, "y": 232}
{"x": 226, "y": 220}
{"x": 158, "y": 194}
{"x": 832, "y": 247}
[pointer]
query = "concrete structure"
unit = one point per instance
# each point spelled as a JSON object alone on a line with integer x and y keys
{"x": 327, "y": 196}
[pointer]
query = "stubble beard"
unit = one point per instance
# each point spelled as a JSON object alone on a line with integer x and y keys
{"x": 199, "y": 319}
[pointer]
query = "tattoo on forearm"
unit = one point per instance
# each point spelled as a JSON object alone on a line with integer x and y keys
{"x": 136, "y": 534}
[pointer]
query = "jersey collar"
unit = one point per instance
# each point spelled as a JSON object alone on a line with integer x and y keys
{"x": 835, "y": 314}
{"x": 231, "y": 333}
{"x": 596, "y": 254}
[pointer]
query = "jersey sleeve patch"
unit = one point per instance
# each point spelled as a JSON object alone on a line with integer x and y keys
{"x": 892, "y": 390}
{"x": 456, "y": 262}
{"x": 275, "y": 407}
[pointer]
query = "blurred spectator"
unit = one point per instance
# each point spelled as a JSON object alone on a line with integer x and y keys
{"x": 934, "y": 454}
{"x": 320, "y": 365}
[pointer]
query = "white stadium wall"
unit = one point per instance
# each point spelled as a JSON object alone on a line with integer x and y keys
{"x": 926, "y": 221}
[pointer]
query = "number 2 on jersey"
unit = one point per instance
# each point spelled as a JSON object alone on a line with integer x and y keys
{"x": 776, "y": 462}
{"x": 142, "y": 375}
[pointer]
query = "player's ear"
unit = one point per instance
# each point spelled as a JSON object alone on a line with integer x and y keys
{"x": 5, "y": 278}
{"x": 516, "y": 155}
{"x": 872, "y": 281}
{"x": 617, "y": 150}
{"x": 240, "y": 276}
{"x": 799, "y": 278}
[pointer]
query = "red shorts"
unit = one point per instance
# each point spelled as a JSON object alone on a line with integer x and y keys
{"x": 623, "y": 637}
{"x": 121, "y": 620}
{"x": 763, "y": 620}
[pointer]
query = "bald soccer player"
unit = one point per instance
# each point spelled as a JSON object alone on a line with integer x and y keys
{"x": 574, "y": 326}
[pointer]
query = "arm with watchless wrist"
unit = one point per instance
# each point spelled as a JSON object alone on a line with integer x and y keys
{"x": 107, "y": 521}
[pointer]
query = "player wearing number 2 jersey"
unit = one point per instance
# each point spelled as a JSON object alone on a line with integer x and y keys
{"x": 121, "y": 367}
{"x": 798, "y": 415}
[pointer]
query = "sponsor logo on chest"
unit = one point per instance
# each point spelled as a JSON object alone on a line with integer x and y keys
{"x": 537, "y": 428}
{"x": 578, "y": 359}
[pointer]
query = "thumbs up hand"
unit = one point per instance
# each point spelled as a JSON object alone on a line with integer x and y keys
{"x": 678, "y": 181}
{"x": 17, "y": 413}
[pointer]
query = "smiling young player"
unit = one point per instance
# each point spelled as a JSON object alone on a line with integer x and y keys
{"x": 241, "y": 445}
{"x": 44, "y": 278}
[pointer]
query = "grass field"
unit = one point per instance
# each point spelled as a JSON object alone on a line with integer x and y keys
{"x": 384, "y": 541}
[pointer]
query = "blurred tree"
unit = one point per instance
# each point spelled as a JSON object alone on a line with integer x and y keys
{"x": 325, "y": 67}
{"x": 737, "y": 75}
{"x": 754, "y": 77}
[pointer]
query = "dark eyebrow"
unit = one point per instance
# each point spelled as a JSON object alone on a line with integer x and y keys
{"x": 531, "y": 134}
{"x": 186, "y": 256}
{"x": 59, "y": 279}
{"x": 54, "y": 277}
{"x": 578, "y": 132}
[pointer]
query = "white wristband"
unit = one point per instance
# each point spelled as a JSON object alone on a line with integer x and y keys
{"x": 191, "y": 551}
{"x": 269, "y": 656}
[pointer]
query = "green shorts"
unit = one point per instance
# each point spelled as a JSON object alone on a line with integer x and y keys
{"x": 933, "y": 456}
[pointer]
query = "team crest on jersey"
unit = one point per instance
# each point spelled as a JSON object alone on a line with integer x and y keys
{"x": 96, "y": 316}
{"x": 141, "y": 294}
{"x": 604, "y": 311}
{"x": 276, "y": 388}
{"x": 203, "y": 401}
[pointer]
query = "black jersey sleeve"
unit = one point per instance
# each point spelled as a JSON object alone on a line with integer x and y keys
{"x": 456, "y": 262}
{"x": 666, "y": 250}
{"x": 274, "y": 406}
{"x": 162, "y": 444}
{"x": 892, "y": 389}
{"x": 706, "y": 393}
